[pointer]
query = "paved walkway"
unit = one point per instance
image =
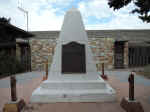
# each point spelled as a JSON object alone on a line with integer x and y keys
{"x": 21, "y": 78}
{"x": 27, "y": 82}
{"x": 122, "y": 76}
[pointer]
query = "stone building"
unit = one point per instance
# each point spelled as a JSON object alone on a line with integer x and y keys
{"x": 114, "y": 48}
{"x": 14, "y": 42}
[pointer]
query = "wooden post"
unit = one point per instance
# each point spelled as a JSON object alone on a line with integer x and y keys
{"x": 131, "y": 87}
{"x": 103, "y": 74}
{"x": 46, "y": 69}
{"x": 102, "y": 68}
{"x": 52, "y": 50}
{"x": 15, "y": 105}
{"x": 13, "y": 88}
{"x": 130, "y": 104}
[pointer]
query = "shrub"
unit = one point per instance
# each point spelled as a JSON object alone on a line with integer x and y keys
{"x": 9, "y": 64}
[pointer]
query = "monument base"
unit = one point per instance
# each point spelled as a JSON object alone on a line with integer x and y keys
{"x": 73, "y": 88}
{"x": 131, "y": 106}
{"x": 104, "y": 77}
{"x": 14, "y": 106}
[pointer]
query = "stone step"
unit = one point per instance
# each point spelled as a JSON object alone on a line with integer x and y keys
{"x": 75, "y": 85}
{"x": 85, "y": 95}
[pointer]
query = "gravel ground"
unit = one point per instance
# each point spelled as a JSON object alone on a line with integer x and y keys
{"x": 27, "y": 82}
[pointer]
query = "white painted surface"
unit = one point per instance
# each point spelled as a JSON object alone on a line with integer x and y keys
{"x": 88, "y": 87}
{"x": 72, "y": 30}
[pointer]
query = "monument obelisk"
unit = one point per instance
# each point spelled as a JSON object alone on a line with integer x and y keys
{"x": 73, "y": 76}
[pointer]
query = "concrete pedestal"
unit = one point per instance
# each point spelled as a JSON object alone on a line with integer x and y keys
{"x": 11, "y": 107}
{"x": 74, "y": 88}
{"x": 85, "y": 86}
{"x": 14, "y": 106}
{"x": 131, "y": 106}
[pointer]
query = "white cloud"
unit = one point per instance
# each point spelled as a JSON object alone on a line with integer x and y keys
{"x": 47, "y": 20}
{"x": 43, "y": 14}
{"x": 96, "y": 8}
{"x": 120, "y": 19}
{"x": 9, "y": 9}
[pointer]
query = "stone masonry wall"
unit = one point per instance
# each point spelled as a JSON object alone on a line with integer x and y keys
{"x": 126, "y": 55}
{"x": 43, "y": 49}
{"x": 102, "y": 49}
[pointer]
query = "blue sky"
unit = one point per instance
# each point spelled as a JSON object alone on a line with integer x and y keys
{"x": 49, "y": 14}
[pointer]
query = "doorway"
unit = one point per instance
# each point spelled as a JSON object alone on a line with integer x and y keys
{"x": 119, "y": 54}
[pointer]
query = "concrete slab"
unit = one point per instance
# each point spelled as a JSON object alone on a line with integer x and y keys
{"x": 24, "y": 90}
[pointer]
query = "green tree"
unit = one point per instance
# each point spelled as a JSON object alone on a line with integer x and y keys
{"x": 5, "y": 20}
{"x": 4, "y": 36}
{"x": 142, "y": 7}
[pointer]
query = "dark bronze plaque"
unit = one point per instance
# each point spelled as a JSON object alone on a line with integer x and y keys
{"x": 73, "y": 58}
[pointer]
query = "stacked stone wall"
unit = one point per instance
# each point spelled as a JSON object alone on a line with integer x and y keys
{"x": 126, "y": 55}
{"x": 43, "y": 49}
{"x": 102, "y": 49}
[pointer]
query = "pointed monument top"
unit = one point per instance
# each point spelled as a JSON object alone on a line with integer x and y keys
{"x": 73, "y": 28}
{"x": 73, "y": 9}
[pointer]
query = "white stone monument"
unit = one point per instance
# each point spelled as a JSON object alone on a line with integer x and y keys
{"x": 63, "y": 86}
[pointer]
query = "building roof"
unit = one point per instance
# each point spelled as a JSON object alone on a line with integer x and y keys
{"x": 118, "y": 35}
{"x": 12, "y": 32}
{"x": 138, "y": 44}
{"x": 8, "y": 45}
{"x": 17, "y": 32}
